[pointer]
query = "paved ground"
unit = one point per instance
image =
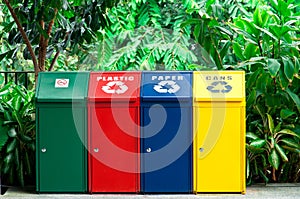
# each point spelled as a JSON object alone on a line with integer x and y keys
{"x": 288, "y": 191}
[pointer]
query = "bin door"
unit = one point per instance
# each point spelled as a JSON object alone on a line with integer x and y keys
{"x": 114, "y": 149}
{"x": 61, "y": 150}
{"x": 219, "y": 150}
{"x": 166, "y": 149}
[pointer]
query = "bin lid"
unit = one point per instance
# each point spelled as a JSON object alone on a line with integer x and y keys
{"x": 62, "y": 86}
{"x": 166, "y": 85}
{"x": 219, "y": 85}
{"x": 114, "y": 86}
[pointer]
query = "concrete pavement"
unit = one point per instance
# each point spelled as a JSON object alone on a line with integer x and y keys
{"x": 271, "y": 191}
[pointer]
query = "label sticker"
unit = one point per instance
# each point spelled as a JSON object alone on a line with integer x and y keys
{"x": 62, "y": 83}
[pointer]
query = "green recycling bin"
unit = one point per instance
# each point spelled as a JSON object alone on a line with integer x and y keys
{"x": 61, "y": 132}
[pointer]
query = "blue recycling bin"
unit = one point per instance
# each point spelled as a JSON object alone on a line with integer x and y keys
{"x": 166, "y": 132}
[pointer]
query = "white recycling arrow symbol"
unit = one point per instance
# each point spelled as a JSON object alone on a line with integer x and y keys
{"x": 161, "y": 87}
{"x": 108, "y": 88}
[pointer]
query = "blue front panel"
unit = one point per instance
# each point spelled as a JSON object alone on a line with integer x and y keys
{"x": 166, "y": 131}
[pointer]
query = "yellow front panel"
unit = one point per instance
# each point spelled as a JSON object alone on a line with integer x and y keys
{"x": 219, "y": 149}
{"x": 219, "y": 85}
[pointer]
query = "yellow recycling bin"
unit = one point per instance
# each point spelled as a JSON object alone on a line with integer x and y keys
{"x": 219, "y": 131}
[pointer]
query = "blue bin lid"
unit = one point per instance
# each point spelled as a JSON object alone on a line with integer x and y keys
{"x": 166, "y": 85}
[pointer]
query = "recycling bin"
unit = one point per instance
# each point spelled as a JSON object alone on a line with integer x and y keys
{"x": 61, "y": 119}
{"x": 113, "y": 135}
{"x": 166, "y": 132}
{"x": 219, "y": 127}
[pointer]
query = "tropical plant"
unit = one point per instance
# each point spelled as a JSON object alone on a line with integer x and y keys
{"x": 48, "y": 28}
{"x": 17, "y": 135}
{"x": 148, "y": 35}
{"x": 266, "y": 46}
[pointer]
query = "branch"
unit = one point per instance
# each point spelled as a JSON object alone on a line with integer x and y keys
{"x": 54, "y": 60}
{"x": 41, "y": 47}
{"x": 24, "y": 36}
{"x": 45, "y": 41}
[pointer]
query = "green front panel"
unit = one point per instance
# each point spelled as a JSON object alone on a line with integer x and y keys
{"x": 62, "y": 86}
{"x": 61, "y": 154}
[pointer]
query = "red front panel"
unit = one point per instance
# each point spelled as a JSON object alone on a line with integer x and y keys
{"x": 114, "y": 135}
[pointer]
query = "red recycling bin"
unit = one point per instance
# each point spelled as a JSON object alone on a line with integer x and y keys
{"x": 113, "y": 131}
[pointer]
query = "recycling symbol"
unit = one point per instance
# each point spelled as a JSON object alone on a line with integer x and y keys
{"x": 117, "y": 87}
{"x": 219, "y": 87}
{"x": 166, "y": 87}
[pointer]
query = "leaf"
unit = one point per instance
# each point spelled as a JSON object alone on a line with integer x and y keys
{"x": 258, "y": 143}
{"x": 224, "y": 50}
{"x": 251, "y": 27}
{"x": 25, "y": 139}
{"x": 16, "y": 103}
{"x": 283, "y": 8}
{"x": 251, "y": 135}
{"x": 274, "y": 159}
{"x": 270, "y": 123}
{"x": 261, "y": 173}
{"x": 283, "y": 81}
{"x": 3, "y": 136}
{"x": 294, "y": 150}
{"x": 18, "y": 118}
{"x": 273, "y": 67}
{"x": 294, "y": 97}
{"x": 190, "y": 22}
{"x": 12, "y": 132}
{"x": 224, "y": 30}
{"x": 269, "y": 33}
{"x": 251, "y": 50}
{"x": 251, "y": 81}
{"x": 288, "y": 69}
{"x": 257, "y": 16}
{"x": 247, "y": 167}
{"x": 21, "y": 174}
{"x": 8, "y": 158}
{"x": 290, "y": 142}
{"x": 288, "y": 132}
{"x": 238, "y": 50}
{"x": 297, "y": 66}
{"x": 286, "y": 113}
{"x": 254, "y": 150}
{"x": 11, "y": 146}
{"x": 27, "y": 163}
{"x": 281, "y": 153}
{"x": 251, "y": 98}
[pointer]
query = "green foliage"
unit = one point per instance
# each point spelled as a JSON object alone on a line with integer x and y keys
{"x": 148, "y": 35}
{"x": 17, "y": 135}
{"x": 265, "y": 45}
{"x": 75, "y": 24}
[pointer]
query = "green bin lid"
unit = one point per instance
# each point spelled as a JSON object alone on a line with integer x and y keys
{"x": 62, "y": 86}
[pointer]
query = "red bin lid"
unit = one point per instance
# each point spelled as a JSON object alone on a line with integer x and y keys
{"x": 114, "y": 86}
